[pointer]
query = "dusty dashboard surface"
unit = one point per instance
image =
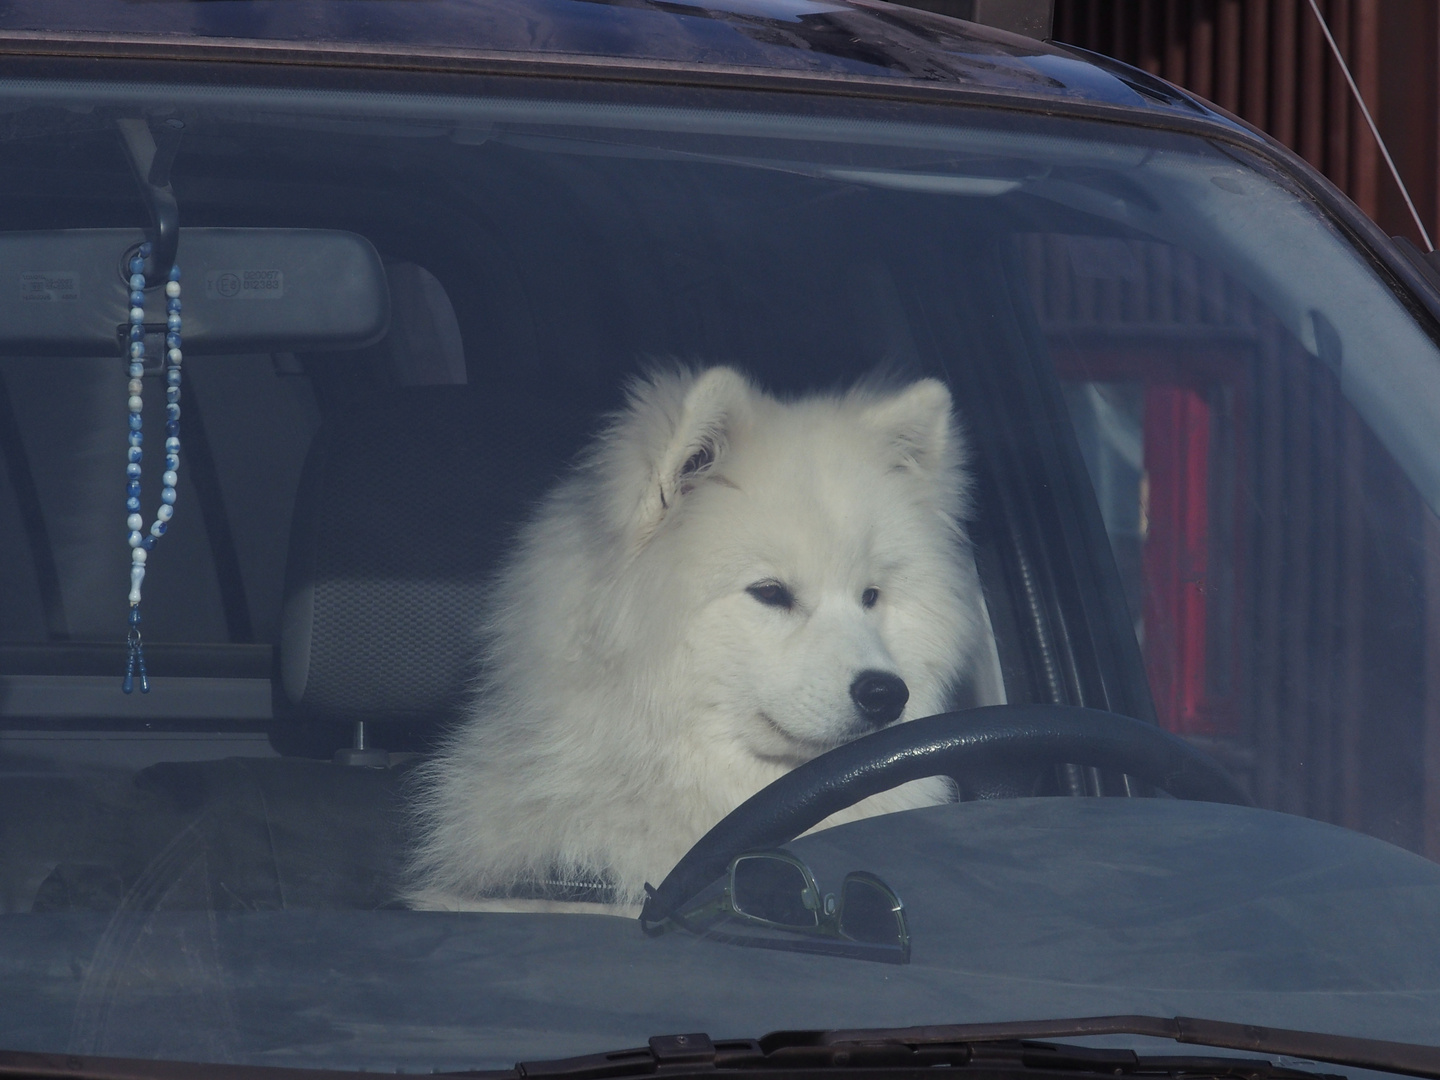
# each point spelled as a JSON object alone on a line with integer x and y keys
{"x": 1059, "y": 907}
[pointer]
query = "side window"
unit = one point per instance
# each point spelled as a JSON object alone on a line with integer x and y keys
{"x": 64, "y": 515}
{"x": 1282, "y": 572}
{"x": 214, "y": 611}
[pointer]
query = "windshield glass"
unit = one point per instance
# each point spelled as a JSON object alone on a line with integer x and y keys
{"x": 521, "y": 480}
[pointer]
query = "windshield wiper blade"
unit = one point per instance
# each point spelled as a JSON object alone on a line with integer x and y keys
{"x": 1412, "y": 1059}
{"x": 978, "y": 1044}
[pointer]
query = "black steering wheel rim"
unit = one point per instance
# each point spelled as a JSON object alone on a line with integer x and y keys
{"x": 941, "y": 745}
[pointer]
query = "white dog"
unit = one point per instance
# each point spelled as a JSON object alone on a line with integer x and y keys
{"x": 726, "y": 586}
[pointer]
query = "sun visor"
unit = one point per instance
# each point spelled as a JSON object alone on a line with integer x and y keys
{"x": 245, "y": 290}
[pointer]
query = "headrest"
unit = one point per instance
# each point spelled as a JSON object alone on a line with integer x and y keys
{"x": 405, "y": 506}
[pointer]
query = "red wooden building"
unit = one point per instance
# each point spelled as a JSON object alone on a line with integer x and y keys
{"x": 1248, "y": 558}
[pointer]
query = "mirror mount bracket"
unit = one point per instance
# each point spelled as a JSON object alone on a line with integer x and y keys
{"x": 152, "y": 151}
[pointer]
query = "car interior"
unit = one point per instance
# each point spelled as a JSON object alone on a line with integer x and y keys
{"x": 310, "y": 618}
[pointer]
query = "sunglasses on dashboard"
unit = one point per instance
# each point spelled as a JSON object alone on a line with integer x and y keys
{"x": 771, "y": 901}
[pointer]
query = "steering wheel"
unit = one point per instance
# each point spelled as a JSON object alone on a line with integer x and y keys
{"x": 941, "y": 745}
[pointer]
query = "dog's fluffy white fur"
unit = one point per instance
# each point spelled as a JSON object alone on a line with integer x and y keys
{"x": 636, "y": 688}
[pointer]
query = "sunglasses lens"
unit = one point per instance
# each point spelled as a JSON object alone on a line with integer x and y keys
{"x": 775, "y": 890}
{"x": 869, "y": 913}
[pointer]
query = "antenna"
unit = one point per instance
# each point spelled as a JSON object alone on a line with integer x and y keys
{"x": 1325, "y": 27}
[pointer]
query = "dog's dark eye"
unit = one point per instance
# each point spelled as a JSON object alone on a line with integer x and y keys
{"x": 869, "y": 596}
{"x": 772, "y": 594}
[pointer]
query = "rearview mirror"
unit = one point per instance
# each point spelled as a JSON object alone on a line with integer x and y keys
{"x": 246, "y": 290}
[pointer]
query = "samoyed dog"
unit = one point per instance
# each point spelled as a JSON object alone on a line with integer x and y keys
{"x": 724, "y": 587}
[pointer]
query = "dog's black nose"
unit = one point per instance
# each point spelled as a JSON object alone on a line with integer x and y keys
{"x": 880, "y": 696}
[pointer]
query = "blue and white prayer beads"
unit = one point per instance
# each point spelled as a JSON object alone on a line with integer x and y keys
{"x": 141, "y": 544}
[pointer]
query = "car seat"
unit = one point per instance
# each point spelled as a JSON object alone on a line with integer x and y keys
{"x": 408, "y": 499}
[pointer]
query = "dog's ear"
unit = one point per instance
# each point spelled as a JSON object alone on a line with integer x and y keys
{"x": 693, "y": 440}
{"x": 918, "y": 427}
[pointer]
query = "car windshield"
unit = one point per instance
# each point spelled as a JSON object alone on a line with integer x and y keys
{"x": 557, "y": 465}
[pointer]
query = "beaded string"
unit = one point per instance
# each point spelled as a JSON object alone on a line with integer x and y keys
{"x": 140, "y": 544}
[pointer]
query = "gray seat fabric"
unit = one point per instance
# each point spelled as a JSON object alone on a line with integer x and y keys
{"x": 405, "y": 506}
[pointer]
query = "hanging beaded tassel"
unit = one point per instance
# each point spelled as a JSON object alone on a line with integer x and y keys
{"x": 140, "y": 544}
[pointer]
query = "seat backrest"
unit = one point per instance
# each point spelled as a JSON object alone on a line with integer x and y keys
{"x": 405, "y": 507}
